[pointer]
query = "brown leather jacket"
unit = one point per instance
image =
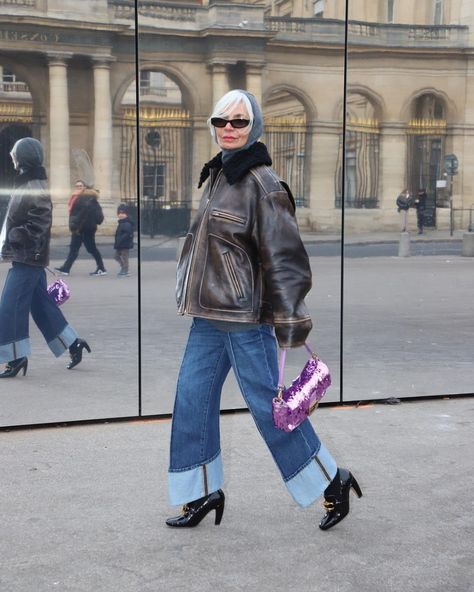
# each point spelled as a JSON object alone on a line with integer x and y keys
{"x": 28, "y": 225}
{"x": 243, "y": 259}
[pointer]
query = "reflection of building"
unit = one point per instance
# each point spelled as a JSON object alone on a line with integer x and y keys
{"x": 68, "y": 76}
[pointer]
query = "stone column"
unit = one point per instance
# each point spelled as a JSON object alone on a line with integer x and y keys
{"x": 254, "y": 81}
{"x": 392, "y": 175}
{"x": 323, "y": 156}
{"x": 220, "y": 84}
{"x": 102, "y": 158}
{"x": 59, "y": 149}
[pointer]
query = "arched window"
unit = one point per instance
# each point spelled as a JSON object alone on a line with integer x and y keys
{"x": 361, "y": 155}
{"x": 286, "y": 136}
{"x": 16, "y": 120}
{"x": 165, "y": 153}
{"x": 426, "y": 133}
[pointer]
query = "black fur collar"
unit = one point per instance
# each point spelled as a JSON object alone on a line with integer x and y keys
{"x": 26, "y": 175}
{"x": 236, "y": 167}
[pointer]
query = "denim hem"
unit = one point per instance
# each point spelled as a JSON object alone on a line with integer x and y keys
{"x": 309, "y": 484}
{"x": 60, "y": 344}
{"x": 200, "y": 464}
{"x": 16, "y": 349}
{"x": 189, "y": 485}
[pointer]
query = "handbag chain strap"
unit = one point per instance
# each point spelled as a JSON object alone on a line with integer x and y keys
{"x": 281, "y": 370}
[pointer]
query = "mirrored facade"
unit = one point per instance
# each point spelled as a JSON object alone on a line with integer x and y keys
{"x": 65, "y": 83}
{"x": 194, "y": 54}
{"x": 358, "y": 108}
{"x": 408, "y": 117}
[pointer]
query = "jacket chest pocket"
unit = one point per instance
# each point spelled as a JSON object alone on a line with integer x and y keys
{"x": 228, "y": 217}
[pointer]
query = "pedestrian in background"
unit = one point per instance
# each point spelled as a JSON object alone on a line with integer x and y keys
{"x": 404, "y": 201}
{"x": 420, "y": 205}
{"x": 123, "y": 239}
{"x": 85, "y": 214}
{"x": 243, "y": 275}
{"x": 24, "y": 240}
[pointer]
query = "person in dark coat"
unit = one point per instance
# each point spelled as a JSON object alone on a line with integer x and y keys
{"x": 420, "y": 205}
{"x": 123, "y": 239}
{"x": 24, "y": 240}
{"x": 84, "y": 217}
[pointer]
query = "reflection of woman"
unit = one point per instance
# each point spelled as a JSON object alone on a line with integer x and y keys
{"x": 24, "y": 241}
{"x": 85, "y": 214}
{"x": 242, "y": 276}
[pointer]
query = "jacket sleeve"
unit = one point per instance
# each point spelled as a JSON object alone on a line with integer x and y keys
{"x": 36, "y": 226}
{"x": 99, "y": 214}
{"x": 285, "y": 268}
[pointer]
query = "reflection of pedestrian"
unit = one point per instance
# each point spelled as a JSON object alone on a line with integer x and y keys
{"x": 123, "y": 239}
{"x": 24, "y": 241}
{"x": 243, "y": 275}
{"x": 420, "y": 205}
{"x": 85, "y": 214}
{"x": 404, "y": 201}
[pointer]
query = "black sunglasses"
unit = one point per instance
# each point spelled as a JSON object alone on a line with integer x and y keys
{"x": 235, "y": 123}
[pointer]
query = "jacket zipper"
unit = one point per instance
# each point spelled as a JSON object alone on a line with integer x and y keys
{"x": 206, "y": 486}
{"x": 196, "y": 241}
{"x": 323, "y": 469}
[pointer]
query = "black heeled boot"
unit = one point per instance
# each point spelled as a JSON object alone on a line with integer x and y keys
{"x": 75, "y": 351}
{"x": 195, "y": 511}
{"x": 12, "y": 368}
{"x": 336, "y": 498}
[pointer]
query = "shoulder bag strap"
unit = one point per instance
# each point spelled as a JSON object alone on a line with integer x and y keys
{"x": 283, "y": 361}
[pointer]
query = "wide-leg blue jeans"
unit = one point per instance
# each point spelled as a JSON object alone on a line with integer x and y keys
{"x": 195, "y": 455}
{"x": 25, "y": 291}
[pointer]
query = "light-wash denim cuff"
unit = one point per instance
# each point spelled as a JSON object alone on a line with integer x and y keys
{"x": 61, "y": 343}
{"x": 309, "y": 484}
{"x": 15, "y": 350}
{"x": 187, "y": 486}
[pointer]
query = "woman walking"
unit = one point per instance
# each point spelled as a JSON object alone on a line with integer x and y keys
{"x": 24, "y": 240}
{"x": 243, "y": 276}
{"x": 85, "y": 214}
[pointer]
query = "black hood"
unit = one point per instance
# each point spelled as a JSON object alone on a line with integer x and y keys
{"x": 29, "y": 154}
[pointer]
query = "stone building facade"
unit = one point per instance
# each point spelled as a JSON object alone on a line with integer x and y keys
{"x": 348, "y": 124}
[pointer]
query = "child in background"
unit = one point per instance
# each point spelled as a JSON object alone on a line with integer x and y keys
{"x": 123, "y": 239}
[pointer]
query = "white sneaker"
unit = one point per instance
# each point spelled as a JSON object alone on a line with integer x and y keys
{"x": 98, "y": 272}
{"x": 61, "y": 271}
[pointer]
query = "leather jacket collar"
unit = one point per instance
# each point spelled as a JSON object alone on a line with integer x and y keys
{"x": 236, "y": 167}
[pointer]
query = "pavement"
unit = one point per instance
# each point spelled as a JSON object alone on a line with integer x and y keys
{"x": 83, "y": 509}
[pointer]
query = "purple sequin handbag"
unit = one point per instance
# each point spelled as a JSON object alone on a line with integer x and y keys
{"x": 59, "y": 291}
{"x": 292, "y": 405}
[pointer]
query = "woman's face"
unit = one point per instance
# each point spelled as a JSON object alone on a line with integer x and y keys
{"x": 230, "y": 138}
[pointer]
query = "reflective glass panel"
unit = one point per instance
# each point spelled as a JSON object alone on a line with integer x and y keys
{"x": 65, "y": 83}
{"x": 408, "y": 200}
{"x": 290, "y": 55}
